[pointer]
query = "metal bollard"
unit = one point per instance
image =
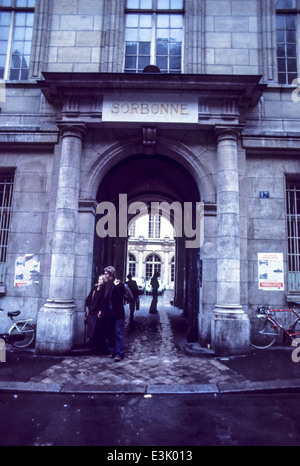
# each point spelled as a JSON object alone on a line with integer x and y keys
{"x": 2, "y": 351}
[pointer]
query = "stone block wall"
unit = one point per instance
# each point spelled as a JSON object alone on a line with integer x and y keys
{"x": 231, "y": 37}
{"x": 32, "y": 199}
{"x": 267, "y": 224}
{"x": 221, "y": 36}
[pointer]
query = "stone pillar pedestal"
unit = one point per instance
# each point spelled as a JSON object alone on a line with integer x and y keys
{"x": 56, "y": 318}
{"x": 230, "y": 324}
{"x": 230, "y": 331}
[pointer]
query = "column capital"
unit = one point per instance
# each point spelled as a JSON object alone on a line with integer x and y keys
{"x": 72, "y": 129}
{"x": 87, "y": 205}
{"x": 228, "y": 132}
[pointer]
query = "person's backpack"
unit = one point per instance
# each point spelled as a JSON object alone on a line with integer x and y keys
{"x": 128, "y": 296}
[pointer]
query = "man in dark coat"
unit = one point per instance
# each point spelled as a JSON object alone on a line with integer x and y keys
{"x": 114, "y": 292}
{"x": 95, "y": 318}
{"x": 155, "y": 285}
{"x": 133, "y": 303}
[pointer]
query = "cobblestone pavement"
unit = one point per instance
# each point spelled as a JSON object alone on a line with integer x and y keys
{"x": 153, "y": 355}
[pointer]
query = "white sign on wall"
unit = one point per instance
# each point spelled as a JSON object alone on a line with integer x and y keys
{"x": 150, "y": 108}
{"x": 27, "y": 270}
{"x": 270, "y": 271}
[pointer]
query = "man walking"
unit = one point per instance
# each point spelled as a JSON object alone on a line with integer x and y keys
{"x": 133, "y": 304}
{"x": 155, "y": 285}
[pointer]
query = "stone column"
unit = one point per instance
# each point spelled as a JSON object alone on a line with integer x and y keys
{"x": 230, "y": 324}
{"x": 56, "y": 318}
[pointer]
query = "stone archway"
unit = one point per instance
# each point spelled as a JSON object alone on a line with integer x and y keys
{"x": 174, "y": 150}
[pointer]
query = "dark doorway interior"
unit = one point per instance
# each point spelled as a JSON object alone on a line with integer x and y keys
{"x": 153, "y": 178}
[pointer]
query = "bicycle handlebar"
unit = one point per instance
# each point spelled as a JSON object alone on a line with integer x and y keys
{"x": 267, "y": 310}
{"x": 262, "y": 309}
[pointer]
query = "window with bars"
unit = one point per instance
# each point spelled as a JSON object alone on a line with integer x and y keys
{"x": 293, "y": 228}
{"x": 154, "y": 35}
{"x": 154, "y": 226}
{"x": 6, "y": 192}
{"x": 16, "y": 29}
{"x": 153, "y": 264}
{"x": 287, "y": 24}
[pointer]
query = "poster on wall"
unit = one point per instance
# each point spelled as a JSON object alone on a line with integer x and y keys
{"x": 27, "y": 270}
{"x": 270, "y": 271}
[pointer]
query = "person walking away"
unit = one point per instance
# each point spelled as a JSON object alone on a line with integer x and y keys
{"x": 134, "y": 303}
{"x": 114, "y": 292}
{"x": 155, "y": 285}
{"x": 95, "y": 318}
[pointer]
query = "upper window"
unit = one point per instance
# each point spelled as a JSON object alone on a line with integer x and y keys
{"x": 173, "y": 269}
{"x": 154, "y": 226}
{"x": 287, "y": 17}
{"x": 131, "y": 264}
{"x": 16, "y": 27}
{"x": 154, "y": 35}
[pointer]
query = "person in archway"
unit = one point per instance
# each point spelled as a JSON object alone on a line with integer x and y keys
{"x": 155, "y": 285}
{"x": 134, "y": 303}
{"x": 113, "y": 295}
{"x": 95, "y": 318}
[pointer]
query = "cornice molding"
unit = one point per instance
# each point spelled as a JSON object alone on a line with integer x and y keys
{"x": 57, "y": 87}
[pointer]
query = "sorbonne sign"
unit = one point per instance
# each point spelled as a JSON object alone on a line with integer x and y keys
{"x": 150, "y": 108}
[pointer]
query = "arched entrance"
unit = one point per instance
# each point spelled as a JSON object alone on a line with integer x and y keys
{"x": 151, "y": 180}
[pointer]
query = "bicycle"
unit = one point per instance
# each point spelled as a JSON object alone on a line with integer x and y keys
{"x": 21, "y": 334}
{"x": 268, "y": 327}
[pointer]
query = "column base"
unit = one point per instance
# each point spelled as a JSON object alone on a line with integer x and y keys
{"x": 55, "y": 327}
{"x": 230, "y": 331}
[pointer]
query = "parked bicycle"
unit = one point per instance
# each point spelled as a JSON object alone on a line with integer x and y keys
{"x": 268, "y": 328}
{"x": 21, "y": 334}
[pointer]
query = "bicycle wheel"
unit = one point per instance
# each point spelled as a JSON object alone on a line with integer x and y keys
{"x": 27, "y": 330}
{"x": 264, "y": 336}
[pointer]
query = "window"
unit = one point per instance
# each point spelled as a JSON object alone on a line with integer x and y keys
{"x": 132, "y": 230}
{"x": 154, "y": 35}
{"x": 287, "y": 17}
{"x": 293, "y": 227}
{"x": 131, "y": 264}
{"x": 154, "y": 226}
{"x": 16, "y": 27}
{"x": 153, "y": 264}
{"x": 173, "y": 269}
{"x": 6, "y": 191}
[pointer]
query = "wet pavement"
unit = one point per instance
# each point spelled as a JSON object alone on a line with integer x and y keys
{"x": 126, "y": 422}
{"x": 155, "y": 362}
{"x": 157, "y": 396}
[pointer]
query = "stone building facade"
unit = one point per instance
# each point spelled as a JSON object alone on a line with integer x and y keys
{"x": 151, "y": 248}
{"x": 128, "y": 102}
